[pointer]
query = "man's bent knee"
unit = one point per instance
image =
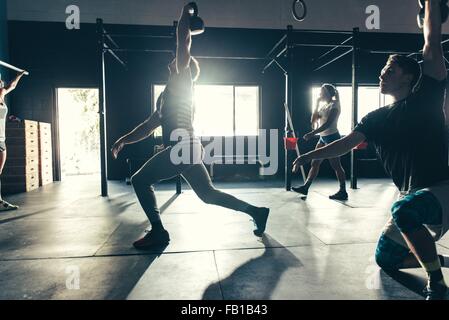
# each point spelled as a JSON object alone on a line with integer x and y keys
{"x": 389, "y": 254}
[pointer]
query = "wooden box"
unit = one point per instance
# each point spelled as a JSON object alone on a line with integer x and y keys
{"x": 45, "y": 154}
{"x": 21, "y": 171}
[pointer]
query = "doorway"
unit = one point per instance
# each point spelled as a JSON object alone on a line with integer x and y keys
{"x": 79, "y": 132}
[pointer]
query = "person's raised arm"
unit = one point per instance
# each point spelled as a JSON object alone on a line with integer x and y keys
{"x": 315, "y": 115}
{"x": 433, "y": 58}
{"x": 13, "y": 84}
{"x": 184, "y": 40}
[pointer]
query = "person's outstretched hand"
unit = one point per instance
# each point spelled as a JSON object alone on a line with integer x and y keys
{"x": 116, "y": 148}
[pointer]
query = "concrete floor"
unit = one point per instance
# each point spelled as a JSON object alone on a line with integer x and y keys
{"x": 66, "y": 242}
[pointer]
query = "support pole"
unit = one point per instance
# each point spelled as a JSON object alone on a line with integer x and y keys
{"x": 178, "y": 185}
{"x": 289, "y": 155}
{"x": 355, "y": 100}
{"x": 102, "y": 108}
{"x": 174, "y": 37}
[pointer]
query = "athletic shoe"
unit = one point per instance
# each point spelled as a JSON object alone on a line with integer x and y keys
{"x": 340, "y": 195}
{"x": 6, "y": 206}
{"x": 260, "y": 221}
{"x": 153, "y": 239}
{"x": 302, "y": 190}
{"x": 435, "y": 291}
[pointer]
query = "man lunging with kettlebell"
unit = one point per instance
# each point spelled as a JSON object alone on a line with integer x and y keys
{"x": 410, "y": 138}
{"x": 175, "y": 115}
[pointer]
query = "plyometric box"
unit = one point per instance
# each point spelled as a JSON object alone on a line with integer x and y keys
{"x": 29, "y": 157}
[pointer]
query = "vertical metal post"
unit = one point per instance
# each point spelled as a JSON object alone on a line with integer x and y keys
{"x": 175, "y": 43}
{"x": 178, "y": 185}
{"x": 175, "y": 37}
{"x": 355, "y": 100}
{"x": 102, "y": 108}
{"x": 289, "y": 104}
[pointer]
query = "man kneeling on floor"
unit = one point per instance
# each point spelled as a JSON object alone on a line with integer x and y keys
{"x": 410, "y": 138}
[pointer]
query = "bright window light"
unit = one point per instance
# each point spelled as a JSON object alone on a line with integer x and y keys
{"x": 222, "y": 110}
{"x": 369, "y": 100}
{"x": 214, "y": 111}
{"x": 246, "y": 111}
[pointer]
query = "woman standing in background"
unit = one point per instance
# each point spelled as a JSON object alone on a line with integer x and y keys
{"x": 4, "y": 90}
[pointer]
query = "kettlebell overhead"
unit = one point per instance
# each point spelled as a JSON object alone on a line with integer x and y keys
{"x": 444, "y": 9}
{"x": 196, "y": 23}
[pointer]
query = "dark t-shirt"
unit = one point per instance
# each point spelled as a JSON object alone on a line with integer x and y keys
{"x": 410, "y": 137}
{"x": 175, "y": 106}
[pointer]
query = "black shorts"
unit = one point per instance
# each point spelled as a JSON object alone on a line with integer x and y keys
{"x": 2, "y": 146}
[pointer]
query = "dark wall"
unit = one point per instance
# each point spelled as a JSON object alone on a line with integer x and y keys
{"x": 57, "y": 57}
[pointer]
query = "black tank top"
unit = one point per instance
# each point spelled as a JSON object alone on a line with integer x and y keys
{"x": 175, "y": 106}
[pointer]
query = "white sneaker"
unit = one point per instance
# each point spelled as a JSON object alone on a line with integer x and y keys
{"x": 6, "y": 206}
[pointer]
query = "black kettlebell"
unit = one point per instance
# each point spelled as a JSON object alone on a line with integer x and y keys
{"x": 196, "y": 23}
{"x": 444, "y": 12}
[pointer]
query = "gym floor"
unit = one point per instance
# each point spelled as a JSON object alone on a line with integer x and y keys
{"x": 68, "y": 243}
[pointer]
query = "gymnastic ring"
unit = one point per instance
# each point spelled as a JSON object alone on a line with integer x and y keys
{"x": 295, "y": 13}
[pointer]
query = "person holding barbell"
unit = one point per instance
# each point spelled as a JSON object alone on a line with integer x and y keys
{"x": 326, "y": 114}
{"x": 175, "y": 115}
{"x": 410, "y": 137}
{"x": 5, "y": 89}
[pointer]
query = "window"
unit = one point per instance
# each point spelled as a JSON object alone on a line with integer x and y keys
{"x": 222, "y": 110}
{"x": 370, "y": 99}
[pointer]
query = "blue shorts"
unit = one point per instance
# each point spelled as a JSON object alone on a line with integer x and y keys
{"x": 410, "y": 213}
{"x": 330, "y": 138}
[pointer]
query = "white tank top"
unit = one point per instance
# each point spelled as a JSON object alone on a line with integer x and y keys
{"x": 324, "y": 113}
{"x": 3, "y": 113}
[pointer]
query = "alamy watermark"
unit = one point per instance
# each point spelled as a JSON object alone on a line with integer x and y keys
{"x": 373, "y": 282}
{"x": 73, "y": 280}
{"x": 73, "y": 21}
{"x": 373, "y": 20}
{"x": 189, "y": 150}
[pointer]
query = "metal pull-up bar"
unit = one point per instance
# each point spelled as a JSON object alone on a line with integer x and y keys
{"x": 333, "y": 49}
{"x": 112, "y": 47}
{"x": 10, "y": 66}
{"x": 333, "y": 60}
{"x": 140, "y": 36}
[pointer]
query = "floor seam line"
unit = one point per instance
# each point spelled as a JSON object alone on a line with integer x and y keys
{"x": 152, "y": 253}
{"x": 106, "y": 241}
{"x": 218, "y": 275}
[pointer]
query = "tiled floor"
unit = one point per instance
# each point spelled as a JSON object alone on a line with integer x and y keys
{"x": 66, "y": 242}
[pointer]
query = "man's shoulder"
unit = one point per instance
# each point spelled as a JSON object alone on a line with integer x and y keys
{"x": 428, "y": 84}
{"x": 380, "y": 111}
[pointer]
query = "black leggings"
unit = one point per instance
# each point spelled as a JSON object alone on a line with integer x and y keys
{"x": 160, "y": 167}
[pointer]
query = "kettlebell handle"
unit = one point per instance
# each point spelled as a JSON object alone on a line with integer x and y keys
{"x": 194, "y": 7}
